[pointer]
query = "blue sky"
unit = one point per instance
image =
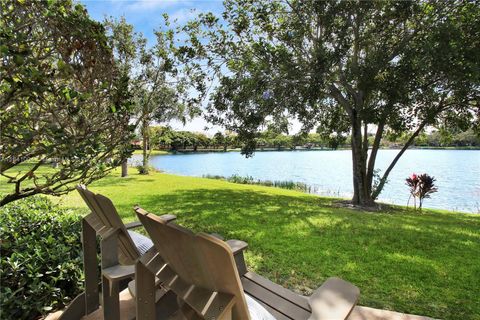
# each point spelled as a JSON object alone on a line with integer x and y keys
{"x": 146, "y": 16}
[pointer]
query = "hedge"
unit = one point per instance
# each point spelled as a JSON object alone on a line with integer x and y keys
{"x": 40, "y": 252}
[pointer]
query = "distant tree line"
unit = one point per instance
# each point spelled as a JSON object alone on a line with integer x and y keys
{"x": 438, "y": 138}
{"x": 165, "y": 138}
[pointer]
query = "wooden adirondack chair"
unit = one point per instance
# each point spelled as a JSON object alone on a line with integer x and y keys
{"x": 211, "y": 281}
{"x": 120, "y": 248}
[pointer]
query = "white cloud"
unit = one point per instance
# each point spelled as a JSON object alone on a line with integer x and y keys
{"x": 183, "y": 15}
{"x": 142, "y": 5}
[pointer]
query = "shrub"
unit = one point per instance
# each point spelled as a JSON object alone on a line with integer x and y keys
{"x": 421, "y": 187}
{"x": 41, "y": 267}
{"x": 145, "y": 170}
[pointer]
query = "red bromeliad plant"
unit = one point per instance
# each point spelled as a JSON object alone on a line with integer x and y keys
{"x": 421, "y": 187}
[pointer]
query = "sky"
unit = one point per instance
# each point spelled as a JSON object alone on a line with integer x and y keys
{"x": 146, "y": 16}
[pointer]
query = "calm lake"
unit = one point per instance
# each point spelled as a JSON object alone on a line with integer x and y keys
{"x": 330, "y": 172}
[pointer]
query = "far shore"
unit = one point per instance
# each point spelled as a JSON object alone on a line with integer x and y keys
{"x": 156, "y": 152}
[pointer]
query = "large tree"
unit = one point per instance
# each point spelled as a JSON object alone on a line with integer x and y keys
{"x": 346, "y": 67}
{"x": 57, "y": 77}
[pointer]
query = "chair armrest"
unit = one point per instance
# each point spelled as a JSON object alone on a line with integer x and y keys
{"x": 119, "y": 272}
{"x": 136, "y": 224}
{"x": 237, "y": 245}
{"x": 334, "y": 300}
{"x": 133, "y": 225}
{"x": 168, "y": 217}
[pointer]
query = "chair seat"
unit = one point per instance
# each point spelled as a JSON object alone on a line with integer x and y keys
{"x": 142, "y": 243}
{"x": 280, "y": 302}
{"x": 256, "y": 310}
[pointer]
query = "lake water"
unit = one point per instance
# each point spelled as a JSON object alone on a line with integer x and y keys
{"x": 330, "y": 172}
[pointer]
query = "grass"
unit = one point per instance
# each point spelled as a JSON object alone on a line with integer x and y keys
{"x": 426, "y": 264}
{"x": 152, "y": 153}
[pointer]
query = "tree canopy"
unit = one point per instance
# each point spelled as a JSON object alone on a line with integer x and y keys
{"x": 343, "y": 67}
{"x": 57, "y": 94}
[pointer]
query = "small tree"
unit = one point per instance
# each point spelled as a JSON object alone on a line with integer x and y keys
{"x": 125, "y": 44}
{"x": 159, "y": 93}
{"x": 57, "y": 99}
{"x": 421, "y": 187}
{"x": 202, "y": 140}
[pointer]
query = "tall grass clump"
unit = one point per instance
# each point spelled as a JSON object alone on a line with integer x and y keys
{"x": 290, "y": 185}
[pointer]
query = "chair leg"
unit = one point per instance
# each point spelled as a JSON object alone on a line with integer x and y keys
{"x": 110, "y": 288}
{"x": 90, "y": 265}
{"x": 111, "y": 299}
{"x": 145, "y": 287}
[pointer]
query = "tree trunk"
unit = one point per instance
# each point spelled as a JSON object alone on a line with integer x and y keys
{"x": 373, "y": 154}
{"x": 145, "y": 147}
{"x": 361, "y": 194}
{"x": 124, "y": 168}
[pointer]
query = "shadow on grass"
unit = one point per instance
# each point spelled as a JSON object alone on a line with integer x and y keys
{"x": 423, "y": 263}
{"x": 426, "y": 263}
{"x": 241, "y": 210}
{"x": 113, "y": 181}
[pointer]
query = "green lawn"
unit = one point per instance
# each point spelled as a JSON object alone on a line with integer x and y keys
{"x": 152, "y": 153}
{"x": 425, "y": 263}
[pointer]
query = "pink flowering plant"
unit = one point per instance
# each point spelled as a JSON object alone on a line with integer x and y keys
{"x": 421, "y": 187}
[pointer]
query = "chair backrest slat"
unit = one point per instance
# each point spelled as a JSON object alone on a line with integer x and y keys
{"x": 204, "y": 273}
{"x": 219, "y": 261}
{"x": 107, "y": 215}
{"x": 163, "y": 240}
{"x": 94, "y": 222}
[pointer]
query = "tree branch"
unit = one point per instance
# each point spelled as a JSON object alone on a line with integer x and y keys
{"x": 26, "y": 175}
{"x": 337, "y": 95}
{"x": 375, "y": 147}
{"x": 383, "y": 180}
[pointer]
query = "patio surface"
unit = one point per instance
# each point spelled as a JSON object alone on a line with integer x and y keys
{"x": 127, "y": 312}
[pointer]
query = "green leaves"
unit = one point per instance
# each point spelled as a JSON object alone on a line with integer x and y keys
{"x": 41, "y": 258}
{"x": 57, "y": 84}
